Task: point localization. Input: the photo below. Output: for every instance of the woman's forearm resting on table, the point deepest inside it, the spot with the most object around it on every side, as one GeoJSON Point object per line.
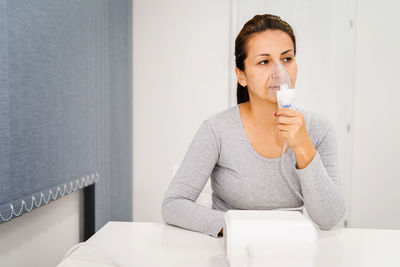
{"type": "Point", "coordinates": [190, 215]}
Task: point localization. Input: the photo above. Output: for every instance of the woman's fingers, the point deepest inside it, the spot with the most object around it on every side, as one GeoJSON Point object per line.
{"type": "Point", "coordinates": [287, 131]}
{"type": "Point", "coordinates": [288, 112]}
{"type": "Point", "coordinates": [285, 128]}
{"type": "Point", "coordinates": [291, 126]}
{"type": "Point", "coordinates": [287, 120]}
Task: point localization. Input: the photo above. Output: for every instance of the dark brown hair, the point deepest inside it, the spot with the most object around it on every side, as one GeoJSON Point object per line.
{"type": "Point", "coordinates": [258, 23]}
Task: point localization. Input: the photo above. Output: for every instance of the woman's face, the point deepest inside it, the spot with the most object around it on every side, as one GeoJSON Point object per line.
{"type": "Point", "coordinates": [265, 49]}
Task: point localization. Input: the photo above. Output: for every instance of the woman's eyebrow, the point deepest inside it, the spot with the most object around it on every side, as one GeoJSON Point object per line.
{"type": "Point", "coordinates": [263, 55]}
{"type": "Point", "coordinates": [268, 55]}
{"type": "Point", "coordinates": [287, 51]}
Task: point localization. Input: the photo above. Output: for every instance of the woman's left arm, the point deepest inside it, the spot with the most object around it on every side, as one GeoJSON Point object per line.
{"type": "Point", "coordinates": [316, 167]}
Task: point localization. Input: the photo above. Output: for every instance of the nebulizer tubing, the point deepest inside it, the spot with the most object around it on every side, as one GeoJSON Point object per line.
{"type": "Point", "coordinates": [279, 87]}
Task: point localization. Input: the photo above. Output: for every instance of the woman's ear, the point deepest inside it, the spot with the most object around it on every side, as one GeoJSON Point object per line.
{"type": "Point", "coordinates": [241, 77]}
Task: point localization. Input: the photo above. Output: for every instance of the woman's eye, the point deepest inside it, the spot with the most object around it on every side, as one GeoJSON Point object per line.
{"type": "Point", "coordinates": [264, 62]}
{"type": "Point", "coordinates": [287, 59]}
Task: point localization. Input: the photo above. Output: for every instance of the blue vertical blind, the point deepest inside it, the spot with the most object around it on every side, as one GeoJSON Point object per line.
{"type": "Point", "coordinates": [65, 104]}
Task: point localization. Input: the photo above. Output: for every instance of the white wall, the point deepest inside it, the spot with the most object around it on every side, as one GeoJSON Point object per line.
{"type": "Point", "coordinates": [376, 144]}
{"type": "Point", "coordinates": [180, 77]}
{"type": "Point", "coordinates": [42, 237]}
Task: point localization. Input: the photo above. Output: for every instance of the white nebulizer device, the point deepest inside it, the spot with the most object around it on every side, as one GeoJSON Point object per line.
{"type": "Point", "coordinates": [261, 238]}
{"type": "Point", "coordinates": [279, 86]}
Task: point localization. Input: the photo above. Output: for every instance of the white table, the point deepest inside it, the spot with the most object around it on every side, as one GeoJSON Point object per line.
{"type": "Point", "coordinates": [155, 244]}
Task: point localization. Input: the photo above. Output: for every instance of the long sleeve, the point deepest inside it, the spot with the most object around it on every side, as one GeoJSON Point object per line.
{"type": "Point", "coordinates": [179, 206]}
{"type": "Point", "coordinates": [320, 183]}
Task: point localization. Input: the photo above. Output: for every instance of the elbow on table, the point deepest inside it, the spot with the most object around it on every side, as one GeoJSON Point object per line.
{"type": "Point", "coordinates": [332, 219]}
{"type": "Point", "coordinates": [168, 210]}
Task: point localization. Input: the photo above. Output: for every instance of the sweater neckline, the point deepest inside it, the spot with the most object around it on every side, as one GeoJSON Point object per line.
{"type": "Point", "coordinates": [248, 143]}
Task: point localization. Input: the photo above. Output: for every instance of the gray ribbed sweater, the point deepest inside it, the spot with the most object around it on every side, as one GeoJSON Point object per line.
{"type": "Point", "coordinates": [243, 179]}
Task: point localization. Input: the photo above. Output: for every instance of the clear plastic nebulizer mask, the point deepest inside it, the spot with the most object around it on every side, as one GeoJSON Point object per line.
{"type": "Point", "coordinates": [279, 86]}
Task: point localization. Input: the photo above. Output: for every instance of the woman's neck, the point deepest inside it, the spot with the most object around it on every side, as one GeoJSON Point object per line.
{"type": "Point", "coordinates": [261, 113]}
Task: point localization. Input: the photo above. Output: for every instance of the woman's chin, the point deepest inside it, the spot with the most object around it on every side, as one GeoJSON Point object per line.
{"type": "Point", "coordinates": [265, 97]}
{"type": "Point", "coordinates": [269, 100]}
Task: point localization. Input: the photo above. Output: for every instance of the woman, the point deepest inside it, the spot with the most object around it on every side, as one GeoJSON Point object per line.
{"type": "Point", "coordinates": [240, 148]}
